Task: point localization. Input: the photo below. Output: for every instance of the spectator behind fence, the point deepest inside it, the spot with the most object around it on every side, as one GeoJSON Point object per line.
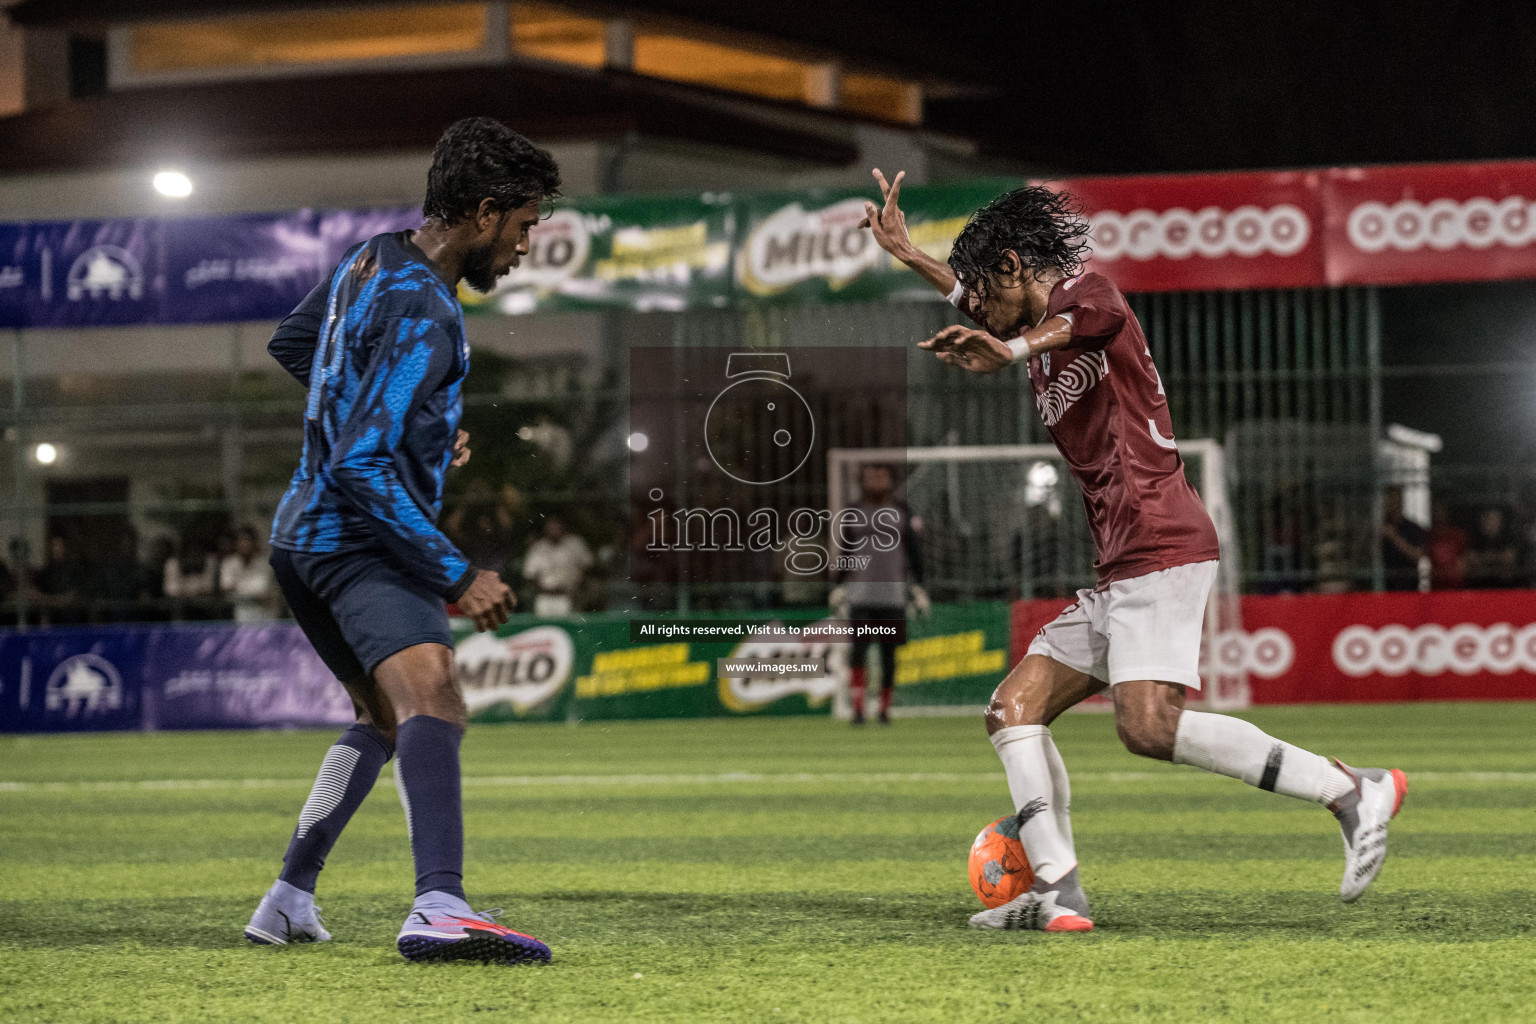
{"type": "Point", "coordinates": [246, 579]}
{"type": "Point", "coordinates": [1494, 558]}
{"type": "Point", "coordinates": [192, 574]}
{"type": "Point", "coordinates": [60, 582]}
{"type": "Point", "coordinates": [1446, 545]}
{"type": "Point", "coordinates": [555, 564]}
{"type": "Point", "coordinates": [481, 524]}
{"type": "Point", "coordinates": [119, 581]}
{"type": "Point", "coordinates": [1402, 543]}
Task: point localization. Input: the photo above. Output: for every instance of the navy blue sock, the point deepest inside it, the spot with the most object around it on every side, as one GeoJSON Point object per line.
{"type": "Point", "coordinates": [428, 775]}
{"type": "Point", "coordinates": [349, 770]}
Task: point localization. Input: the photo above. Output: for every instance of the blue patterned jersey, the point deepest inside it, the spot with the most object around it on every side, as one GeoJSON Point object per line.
{"type": "Point", "coordinates": [382, 349]}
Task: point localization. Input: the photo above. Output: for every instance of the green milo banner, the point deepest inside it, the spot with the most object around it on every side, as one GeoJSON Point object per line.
{"type": "Point", "coordinates": [643, 254]}
{"type": "Point", "coordinates": [809, 246]}
{"type": "Point", "coordinates": [719, 249]}
{"type": "Point", "coordinates": [587, 668]}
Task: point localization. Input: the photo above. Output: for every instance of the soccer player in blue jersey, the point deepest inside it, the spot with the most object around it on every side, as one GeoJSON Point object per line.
{"type": "Point", "coordinates": [380, 345]}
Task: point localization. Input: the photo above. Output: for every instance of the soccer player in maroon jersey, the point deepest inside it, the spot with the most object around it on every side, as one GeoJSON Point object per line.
{"type": "Point", "coordinates": [1016, 271]}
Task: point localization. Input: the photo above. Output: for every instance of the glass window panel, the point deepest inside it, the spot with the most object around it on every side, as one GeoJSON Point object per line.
{"type": "Point", "coordinates": [306, 37]}
{"type": "Point", "coordinates": [878, 96]}
{"type": "Point", "coordinates": [721, 67]}
{"type": "Point", "coordinates": [550, 32]}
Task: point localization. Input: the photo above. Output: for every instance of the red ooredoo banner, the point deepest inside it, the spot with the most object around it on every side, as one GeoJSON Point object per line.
{"type": "Point", "coordinates": [1199, 231]}
{"type": "Point", "coordinates": [1373, 225]}
{"type": "Point", "coordinates": [1457, 222]}
{"type": "Point", "coordinates": [1344, 648]}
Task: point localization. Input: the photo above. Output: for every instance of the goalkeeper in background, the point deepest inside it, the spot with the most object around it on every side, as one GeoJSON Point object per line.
{"type": "Point", "coordinates": [879, 589]}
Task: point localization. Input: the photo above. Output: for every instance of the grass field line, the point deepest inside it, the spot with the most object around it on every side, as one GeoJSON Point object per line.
{"type": "Point", "coordinates": [670, 779]}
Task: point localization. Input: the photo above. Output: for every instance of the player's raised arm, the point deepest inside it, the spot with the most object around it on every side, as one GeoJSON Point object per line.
{"type": "Point", "coordinates": [889, 226]}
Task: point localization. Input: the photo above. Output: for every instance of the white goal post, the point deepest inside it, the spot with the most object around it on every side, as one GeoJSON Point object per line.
{"type": "Point", "coordinates": [1000, 522]}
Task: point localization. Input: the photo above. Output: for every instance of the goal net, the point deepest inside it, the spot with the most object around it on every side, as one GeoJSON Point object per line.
{"type": "Point", "coordinates": [1005, 523]}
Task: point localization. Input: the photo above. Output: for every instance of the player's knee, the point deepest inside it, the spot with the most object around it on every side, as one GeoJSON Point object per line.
{"type": "Point", "coordinates": [1011, 705]}
{"type": "Point", "coordinates": [446, 702]}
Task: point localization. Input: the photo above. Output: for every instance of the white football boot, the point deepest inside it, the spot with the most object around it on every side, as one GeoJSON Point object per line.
{"type": "Point", "coordinates": [1058, 907]}
{"type": "Point", "coordinates": [1363, 814]}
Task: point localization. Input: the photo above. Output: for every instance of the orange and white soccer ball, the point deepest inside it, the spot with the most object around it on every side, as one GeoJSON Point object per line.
{"type": "Point", "coordinates": [999, 867]}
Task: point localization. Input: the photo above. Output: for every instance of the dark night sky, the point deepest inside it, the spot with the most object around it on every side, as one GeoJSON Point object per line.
{"type": "Point", "coordinates": [1178, 87]}
{"type": "Point", "coordinates": [1120, 87]}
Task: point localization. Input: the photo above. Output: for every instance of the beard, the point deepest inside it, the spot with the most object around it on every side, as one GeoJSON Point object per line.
{"type": "Point", "coordinates": [478, 269]}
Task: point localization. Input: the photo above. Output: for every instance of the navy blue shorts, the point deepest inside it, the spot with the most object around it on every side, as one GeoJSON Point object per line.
{"type": "Point", "coordinates": [357, 608]}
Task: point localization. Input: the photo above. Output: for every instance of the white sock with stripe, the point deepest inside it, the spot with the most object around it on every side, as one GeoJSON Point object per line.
{"type": "Point", "coordinates": [1027, 752]}
{"type": "Point", "coordinates": [1241, 750]}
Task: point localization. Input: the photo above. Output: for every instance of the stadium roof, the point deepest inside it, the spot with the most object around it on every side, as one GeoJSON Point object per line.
{"type": "Point", "coordinates": [851, 29]}
{"type": "Point", "coordinates": [280, 116]}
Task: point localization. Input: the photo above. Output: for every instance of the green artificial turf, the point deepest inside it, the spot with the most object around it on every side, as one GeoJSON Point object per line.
{"type": "Point", "coordinates": [776, 869]}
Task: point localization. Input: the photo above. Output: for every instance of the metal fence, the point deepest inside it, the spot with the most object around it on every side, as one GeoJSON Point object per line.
{"type": "Point", "coordinates": [155, 458]}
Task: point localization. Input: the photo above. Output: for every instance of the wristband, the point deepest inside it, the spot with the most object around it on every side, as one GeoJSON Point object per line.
{"type": "Point", "coordinates": [1020, 349]}
{"type": "Point", "coordinates": [956, 294]}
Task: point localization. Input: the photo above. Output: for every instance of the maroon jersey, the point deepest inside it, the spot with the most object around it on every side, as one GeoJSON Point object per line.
{"type": "Point", "coordinates": [1102, 402]}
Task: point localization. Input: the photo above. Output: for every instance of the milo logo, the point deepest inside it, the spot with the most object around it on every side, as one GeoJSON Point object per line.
{"type": "Point", "coordinates": [525, 670]}
{"type": "Point", "coordinates": [557, 251]}
{"type": "Point", "coordinates": [753, 692]}
{"type": "Point", "coordinates": [795, 244]}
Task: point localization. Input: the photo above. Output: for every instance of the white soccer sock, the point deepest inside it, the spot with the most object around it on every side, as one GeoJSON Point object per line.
{"type": "Point", "coordinates": [1023, 749]}
{"type": "Point", "coordinates": [1061, 789]}
{"type": "Point", "coordinates": [1241, 750]}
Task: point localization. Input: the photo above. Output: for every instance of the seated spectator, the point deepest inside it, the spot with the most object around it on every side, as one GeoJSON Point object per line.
{"type": "Point", "coordinates": [555, 564]}
{"type": "Point", "coordinates": [1446, 545]}
{"type": "Point", "coordinates": [246, 579]}
{"type": "Point", "coordinates": [1402, 543]}
{"type": "Point", "coordinates": [1494, 558]}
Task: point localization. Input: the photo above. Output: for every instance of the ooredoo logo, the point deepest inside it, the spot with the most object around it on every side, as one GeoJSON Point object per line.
{"type": "Point", "coordinates": [1266, 652]}
{"type": "Point", "coordinates": [1432, 650]}
{"type": "Point", "coordinates": [1442, 224]}
{"type": "Point", "coordinates": [1212, 232]}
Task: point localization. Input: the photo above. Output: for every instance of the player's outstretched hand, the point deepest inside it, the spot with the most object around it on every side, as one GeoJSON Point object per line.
{"type": "Point", "coordinates": [968, 349]}
{"type": "Point", "coordinates": [460, 449]}
{"type": "Point", "coordinates": [887, 222]}
{"type": "Point", "coordinates": [488, 601]}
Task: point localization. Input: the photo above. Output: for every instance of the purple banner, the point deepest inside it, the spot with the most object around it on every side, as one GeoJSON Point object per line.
{"type": "Point", "coordinates": [197, 270]}
{"type": "Point", "coordinates": [165, 677]}
{"type": "Point", "coordinates": [237, 677]}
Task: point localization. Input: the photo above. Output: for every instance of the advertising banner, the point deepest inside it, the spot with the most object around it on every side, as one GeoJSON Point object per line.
{"type": "Point", "coordinates": [80, 273]}
{"type": "Point", "coordinates": [808, 247]}
{"type": "Point", "coordinates": [260, 266]}
{"type": "Point", "coordinates": [238, 677]}
{"type": "Point", "coordinates": [1205, 231]}
{"type": "Point", "coordinates": [165, 677]}
{"type": "Point", "coordinates": [957, 655]}
{"type": "Point", "coordinates": [591, 669]}
{"type": "Point", "coordinates": [642, 254]}
{"type": "Point", "coordinates": [1450, 222]}
{"type": "Point", "coordinates": [194, 270]}
{"type": "Point", "coordinates": [588, 669]}
{"type": "Point", "coordinates": [1187, 232]}
{"type": "Point", "coordinates": [1367, 647]}
{"type": "Point", "coordinates": [71, 680]}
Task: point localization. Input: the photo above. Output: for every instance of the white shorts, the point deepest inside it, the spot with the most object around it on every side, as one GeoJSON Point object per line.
{"type": "Point", "coordinates": [1147, 627]}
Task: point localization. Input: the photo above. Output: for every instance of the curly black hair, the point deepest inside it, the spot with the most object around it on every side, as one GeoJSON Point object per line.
{"type": "Point", "coordinates": [1045, 228]}
{"type": "Point", "coordinates": [481, 158]}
